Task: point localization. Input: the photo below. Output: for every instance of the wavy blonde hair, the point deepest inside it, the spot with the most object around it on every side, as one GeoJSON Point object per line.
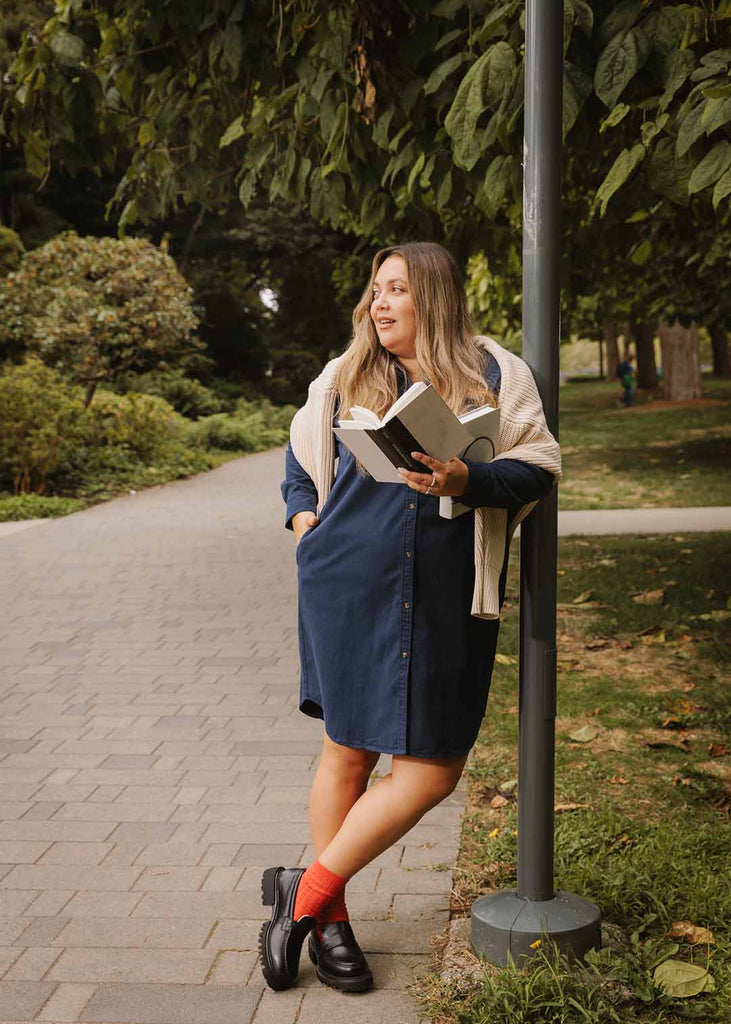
{"type": "Point", "coordinates": [445, 347]}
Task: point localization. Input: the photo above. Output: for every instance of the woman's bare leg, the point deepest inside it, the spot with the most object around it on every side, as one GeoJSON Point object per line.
{"type": "Point", "coordinates": [386, 811]}
{"type": "Point", "coordinates": [341, 779]}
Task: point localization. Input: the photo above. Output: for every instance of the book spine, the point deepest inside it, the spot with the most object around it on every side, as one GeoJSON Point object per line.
{"type": "Point", "coordinates": [397, 443]}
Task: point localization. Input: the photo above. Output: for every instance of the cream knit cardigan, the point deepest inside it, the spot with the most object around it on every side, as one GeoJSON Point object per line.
{"type": "Point", "coordinates": [523, 435]}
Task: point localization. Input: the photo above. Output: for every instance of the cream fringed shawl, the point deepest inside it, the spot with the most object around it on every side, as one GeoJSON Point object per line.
{"type": "Point", "coordinates": [523, 435]}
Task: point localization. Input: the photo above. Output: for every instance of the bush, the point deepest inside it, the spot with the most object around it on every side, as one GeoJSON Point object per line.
{"type": "Point", "coordinates": [97, 307]}
{"type": "Point", "coordinates": [143, 424]}
{"type": "Point", "coordinates": [41, 417]}
{"type": "Point", "coordinates": [186, 395]}
{"type": "Point", "coordinates": [11, 250]}
{"type": "Point", "coordinates": [37, 506]}
{"type": "Point", "coordinates": [254, 427]}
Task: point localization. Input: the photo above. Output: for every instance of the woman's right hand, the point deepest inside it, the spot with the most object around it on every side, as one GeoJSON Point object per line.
{"type": "Point", "coordinates": [303, 522]}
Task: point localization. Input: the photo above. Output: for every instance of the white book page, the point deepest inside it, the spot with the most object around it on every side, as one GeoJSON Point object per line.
{"type": "Point", "coordinates": [408, 396]}
{"type": "Point", "coordinates": [365, 449]}
{"type": "Point", "coordinates": [362, 415]}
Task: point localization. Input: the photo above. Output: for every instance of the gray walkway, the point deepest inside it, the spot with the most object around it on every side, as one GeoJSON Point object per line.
{"type": "Point", "coordinates": [644, 520]}
{"type": "Point", "coordinates": [153, 761]}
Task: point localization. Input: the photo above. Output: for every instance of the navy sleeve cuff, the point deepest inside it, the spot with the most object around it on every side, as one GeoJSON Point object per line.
{"type": "Point", "coordinates": [505, 483]}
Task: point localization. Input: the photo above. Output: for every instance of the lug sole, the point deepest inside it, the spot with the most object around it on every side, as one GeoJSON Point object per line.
{"type": "Point", "coordinates": [268, 899]}
{"type": "Point", "coordinates": [361, 984]}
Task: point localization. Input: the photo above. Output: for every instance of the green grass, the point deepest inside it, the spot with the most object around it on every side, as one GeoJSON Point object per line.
{"type": "Point", "coordinates": [650, 839]}
{"type": "Point", "coordinates": [653, 455]}
{"type": "Point", "coordinates": [36, 506]}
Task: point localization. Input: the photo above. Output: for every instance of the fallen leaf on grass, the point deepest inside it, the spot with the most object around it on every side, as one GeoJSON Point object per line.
{"type": "Point", "coordinates": [617, 780]}
{"type": "Point", "coordinates": [585, 734]}
{"type": "Point", "coordinates": [717, 750]}
{"type": "Point", "coordinates": [505, 659]}
{"type": "Point", "coordinates": [508, 787]}
{"type": "Point", "coordinates": [680, 980]}
{"type": "Point", "coordinates": [655, 638]}
{"type": "Point", "coordinates": [598, 644]}
{"type": "Point", "coordinates": [587, 595]}
{"type": "Point", "coordinates": [607, 561]}
{"type": "Point", "coordinates": [686, 931]}
{"type": "Point", "coordinates": [682, 743]}
{"type": "Point", "coordinates": [717, 615]}
{"type": "Point", "coordinates": [686, 551]}
{"type": "Point", "coordinates": [649, 597]}
{"type": "Point", "coordinates": [561, 808]}
{"type": "Point", "coordinates": [499, 801]}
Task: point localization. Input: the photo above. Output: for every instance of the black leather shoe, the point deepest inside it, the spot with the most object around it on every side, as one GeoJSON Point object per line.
{"type": "Point", "coordinates": [339, 959]}
{"type": "Point", "coordinates": [281, 938]}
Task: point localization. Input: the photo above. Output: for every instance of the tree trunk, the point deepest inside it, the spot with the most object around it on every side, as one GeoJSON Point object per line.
{"type": "Point", "coordinates": [90, 389]}
{"type": "Point", "coordinates": [719, 344]}
{"type": "Point", "coordinates": [601, 358]}
{"type": "Point", "coordinates": [626, 340]}
{"type": "Point", "coordinates": [609, 330]}
{"type": "Point", "coordinates": [644, 336]}
{"type": "Point", "coordinates": [680, 362]}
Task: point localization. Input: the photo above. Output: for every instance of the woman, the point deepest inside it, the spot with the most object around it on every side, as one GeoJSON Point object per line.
{"type": "Point", "coordinates": [398, 607]}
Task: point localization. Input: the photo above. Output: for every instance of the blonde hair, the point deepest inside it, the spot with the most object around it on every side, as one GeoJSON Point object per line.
{"type": "Point", "coordinates": [445, 347]}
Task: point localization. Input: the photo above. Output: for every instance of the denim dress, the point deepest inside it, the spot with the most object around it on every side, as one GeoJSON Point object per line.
{"type": "Point", "coordinates": [390, 655]}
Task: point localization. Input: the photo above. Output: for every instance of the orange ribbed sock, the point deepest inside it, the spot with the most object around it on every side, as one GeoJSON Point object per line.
{"type": "Point", "coordinates": [317, 887]}
{"type": "Point", "coordinates": [335, 911]}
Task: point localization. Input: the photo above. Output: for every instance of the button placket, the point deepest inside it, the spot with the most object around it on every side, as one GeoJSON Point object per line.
{"type": "Point", "coordinates": [407, 591]}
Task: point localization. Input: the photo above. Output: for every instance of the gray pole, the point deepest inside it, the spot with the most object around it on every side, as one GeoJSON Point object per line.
{"type": "Point", "coordinates": [510, 922]}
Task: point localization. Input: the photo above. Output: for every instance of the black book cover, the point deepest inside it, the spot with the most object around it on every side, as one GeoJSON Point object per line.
{"type": "Point", "coordinates": [397, 443]}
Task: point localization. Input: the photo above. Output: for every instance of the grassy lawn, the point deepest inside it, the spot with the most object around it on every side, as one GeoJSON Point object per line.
{"type": "Point", "coordinates": [652, 455]}
{"type": "Point", "coordinates": [646, 834]}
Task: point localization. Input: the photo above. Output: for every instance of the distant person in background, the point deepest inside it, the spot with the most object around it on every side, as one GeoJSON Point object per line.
{"type": "Point", "coordinates": [626, 374]}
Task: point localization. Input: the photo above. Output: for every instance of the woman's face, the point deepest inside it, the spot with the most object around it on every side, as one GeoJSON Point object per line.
{"type": "Point", "coordinates": [392, 310]}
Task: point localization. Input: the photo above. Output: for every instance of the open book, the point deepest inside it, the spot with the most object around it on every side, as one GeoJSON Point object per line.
{"type": "Point", "coordinates": [420, 420]}
{"type": "Point", "coordinates": [483, 424]}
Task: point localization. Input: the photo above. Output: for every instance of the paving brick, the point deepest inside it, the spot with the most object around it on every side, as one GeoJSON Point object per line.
{"type": "Point", "coordinates": [41, 931]}
{"type": "Point", "coordinates": [76, 853]}
{"type": "Point", "coordinates": [419, 907]}
{"type": "Point", "coordinates": [241, 935]}
{"type": "Point", "coordinates": [211, 905]}
{"type": "Point", "coordinates": [142, 832]}
{"type": "Point", "coordinates": [374, 1007]}
{"type": "Point", "coordinates": [173, 853]}
{"type": "Point", "coordinates": [132, 966]}
{"type": "Point", "coordinates": [172, 879]}
{"type": "Point", "coordinates": [49, 904]}
{"type": "Point", "coordinates": [21, 852]}
{"type": "Point", "coordinates": [279, 1007]}
{"type": "Point", "coordinates": [138, 933]}
{"type": "Point", "coordinates": [172, 1004]}
{"type": "Point", "coordinates": [56, 876]}
{"type": "Point", "coordinates": [13, 904]}
{"type": "Point", "coordinates": [54, 831]}
{"type": "Point", "coordinates": [420, 880]}
{"type": "Point", "coordinates": [102, 904]}
{"type": "Point", "coordinates": [233, 967]}
{"type": "Point", "coordinates": [8, 956]}
{"type": "Point", "coordinates": [67, 1002]}
{"type": "Point", "coordinates": [33, 964]}
{"type": "Point", "coordinates": [10, 929]}
{"type": "Point", "coordinates": [21, 1000]}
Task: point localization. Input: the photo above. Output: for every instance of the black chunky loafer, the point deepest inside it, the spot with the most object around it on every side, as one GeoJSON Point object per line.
{"type": "Point", "coordinates": [281, 938]}
{"type": "Point", "coordinates": [338, 958]}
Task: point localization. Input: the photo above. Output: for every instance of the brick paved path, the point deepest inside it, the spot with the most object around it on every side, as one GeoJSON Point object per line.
{"type": "Point", "coordinates": [153, 761]}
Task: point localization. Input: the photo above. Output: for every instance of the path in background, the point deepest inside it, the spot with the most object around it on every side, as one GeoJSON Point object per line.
{"type": "Point", "coordinates": [644, 520]}
{"type": "Point", "coordinates": [153, 761]}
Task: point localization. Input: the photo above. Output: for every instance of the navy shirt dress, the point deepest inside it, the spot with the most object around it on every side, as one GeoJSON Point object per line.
{"type": "Point", "coordinates": [390, 655]}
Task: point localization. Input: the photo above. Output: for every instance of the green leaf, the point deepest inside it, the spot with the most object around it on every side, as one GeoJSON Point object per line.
{"type": "Point", "coordinates": [247, 189]}
{"type": "Point", "coordinates": [576, 88]}
{"type": "Point", "coordinates": [494, 22]}
{"type": "Point", "coordinates": [445, 191]}
{"type": "Point", "coordinates": [680, 980]}
{"type": "Point", "coordinates": [711, 168]}
{"type": "Point", "coordinates": [483, 86]}
{"type": "Point", "coordinates": [447, 8]}
{"type": "Point", "coordinates": [677, 67]}
{"type": "Point", "coordinates": [232, 48]}
{"type": "Point", "coordinates": [234, 131]}
{"type": "Point", "coordinates": [722, 189]}
{"type": "Point", "coordinates": [442, 72]}
{"type": "Point", "coordinates": [668, 173]}
{"type": "Point", "coordinates": [146, 134]}
{"type": "Point", "coordinates": [652, 128]}
{"type": "Point", "coordinates": [415, 172]}
{"type": "Point", "coordinates": [68, 49]}
{"type": "Point", "coordinates": [664, 29]}
{"type": "Point", "coordinates": [642, 252]}
{"type": "Point", "coordinates": [449, 38]}
{"type": "Point", "coordinates": [619, 62]}
{"type": "Point", "coordinates": [618, 114]}
{"type": "Point", "coordinates": [717, 113]}
{"type": "Point", "coordinates": [625, 164]}
{"type": "Point", "coordinates": [621, 19]}
{"type": "Point", "coordinates": [584, 16]}
{"type": "Point", "coordinates": [691, 128]}
{"type": "Point", "coordinates": [380, 131]}
{"type": "Point", "coordinates": [498, 178]}
{"type": "Point", "coordinates": [35, 151]}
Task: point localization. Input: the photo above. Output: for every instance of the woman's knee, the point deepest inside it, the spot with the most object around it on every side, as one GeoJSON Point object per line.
{"type": "Point", "coordinates": [427, 782]}
{"type": "Point", "coordinates": [348, 763]}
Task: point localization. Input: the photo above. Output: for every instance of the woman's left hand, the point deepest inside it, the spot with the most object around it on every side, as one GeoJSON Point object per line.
{"type": "Point", "coordinates": [448, 479]}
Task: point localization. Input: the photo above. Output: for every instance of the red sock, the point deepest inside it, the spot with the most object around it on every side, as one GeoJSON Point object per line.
{"type": "Point", "coordinates": [317, 887]}
{"type": "Point", "coordinates": [335, 911]}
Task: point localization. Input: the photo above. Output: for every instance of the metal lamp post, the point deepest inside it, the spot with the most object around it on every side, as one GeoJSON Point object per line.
{"type": "Point", "coordinates": [511, 922]}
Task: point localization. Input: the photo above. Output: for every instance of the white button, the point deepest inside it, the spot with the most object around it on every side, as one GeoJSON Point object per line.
{"type": "Point", "coordinates": [404, 654]}
{"type": "Point", "coordinates": [406, 604]}
{"type": "Point", "coordinates": [412, 505]}
{"type": "Point", "coordinates": [408, 554]}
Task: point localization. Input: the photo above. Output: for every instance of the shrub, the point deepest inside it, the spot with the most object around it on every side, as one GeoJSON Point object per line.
{"type": "Point", "coordinates": [144, 424]}
{"type": "Point", "coordinates": [97, 307]}
{"type": "Point", "coordinates": [11, 250]}
{"type": "Point", "coordinates": [41, 416]}
{"type": "Point", "coordinates": [37, 506]}
{"type": "Point", "coordinates": [186, 395]}
{"type": "Point", "coordinates": [254, 427]}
